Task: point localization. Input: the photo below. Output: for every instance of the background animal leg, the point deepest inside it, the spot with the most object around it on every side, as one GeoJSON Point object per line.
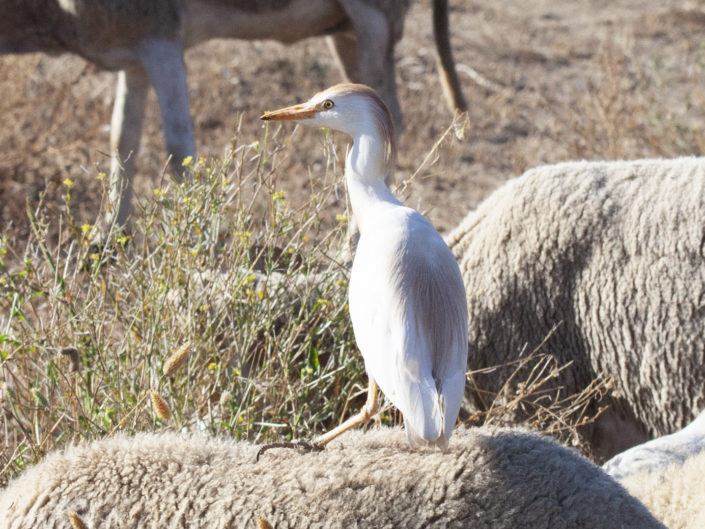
{"type": "Point", "coordinates": [368, 411]}
{"type": "Point", "coordinates": [164, 63]}
{"type": "Point", "coordinates": [344, 48]}
{"type": "Point", "coordinates": [446, 64]}
{"type": "Point", "coordinates": [375, 54]}
{"type": "Point", "coordinates": [125, 133]}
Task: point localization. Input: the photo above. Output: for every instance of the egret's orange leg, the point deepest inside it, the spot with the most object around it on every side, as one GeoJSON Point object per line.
{"type": "Point", "coordinates": [368, 411]}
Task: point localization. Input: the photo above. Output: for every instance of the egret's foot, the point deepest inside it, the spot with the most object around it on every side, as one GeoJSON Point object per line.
{"type": "Point", "coordinates": [304, 446]}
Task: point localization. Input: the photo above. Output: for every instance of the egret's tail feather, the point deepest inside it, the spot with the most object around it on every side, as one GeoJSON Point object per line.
{"type": "Point", "coordinates": [452, 390]}
{"type": "Point", "coordinates": [422, 412]}
{"type": "Point", "coordinates": [431, 417]}
{"type": "Point", "coordinates": [425, 419]}
{"type": "Point", "coordinates": [416, 440]}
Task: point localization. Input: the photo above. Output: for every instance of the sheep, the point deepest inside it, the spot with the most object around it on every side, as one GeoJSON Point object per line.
{"type": "Point", "coordinates": [145, 42]}
{"type": "Point", "coordinates": [490, 477]}
{"type": "Point", "coordinates": [612, 254]}
{"type": "Point", "coordinates": [673, 493]}
{"type": "Point", "coordinates": [659, 453]}
{"type": "Point", "coordinates": [666, 474]}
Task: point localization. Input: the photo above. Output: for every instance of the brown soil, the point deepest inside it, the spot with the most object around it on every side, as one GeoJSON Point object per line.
{"type": "Point", "coordinates": [573, 79]}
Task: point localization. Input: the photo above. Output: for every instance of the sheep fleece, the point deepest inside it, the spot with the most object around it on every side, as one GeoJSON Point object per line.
{"type": "Point", "coordinates": [612, 254]}
{"type": "Point", "coordinates": [674, 494]}
{"type": "Point", "coordinates": [494, 478]}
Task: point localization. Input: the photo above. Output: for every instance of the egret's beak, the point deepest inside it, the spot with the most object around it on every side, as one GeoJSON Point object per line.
{"type": "Point", "coordinates": [303, 111]}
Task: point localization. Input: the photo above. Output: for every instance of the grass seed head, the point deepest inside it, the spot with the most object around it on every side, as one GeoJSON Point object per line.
{"type": "Point", "coordinates": [176, 360]}
{"type": "Point", "coordinates": [160, 406]}
{"type": "Point", "coordinates": [225, 398]}
{"type": "Point", "coordinates": [76, 521]}
{"type": "Point", "coordinates": [262, 523]}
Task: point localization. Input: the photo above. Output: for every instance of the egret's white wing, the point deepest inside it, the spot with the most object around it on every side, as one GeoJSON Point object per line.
{"type": "Point", "coordinates": [408, 308]}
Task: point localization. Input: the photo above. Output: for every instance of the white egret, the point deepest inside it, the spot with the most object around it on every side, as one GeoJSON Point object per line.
{"type": "Point", "coordinates": [407, 298]}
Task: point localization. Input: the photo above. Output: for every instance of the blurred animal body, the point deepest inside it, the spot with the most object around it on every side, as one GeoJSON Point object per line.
{"type": "Point", "coordinates": [145, 42]}
{"type": "Point", "coordinates": [611, 255]}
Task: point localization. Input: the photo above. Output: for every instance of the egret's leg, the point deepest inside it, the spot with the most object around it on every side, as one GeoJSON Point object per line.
{"type": "Point", "coordinates": [368, 411]}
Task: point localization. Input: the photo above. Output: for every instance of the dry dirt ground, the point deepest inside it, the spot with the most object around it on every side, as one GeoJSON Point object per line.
{"type": "Point", "coordinates": [597, 79]}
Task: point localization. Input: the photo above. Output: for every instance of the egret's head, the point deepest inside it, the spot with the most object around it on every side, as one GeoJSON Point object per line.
{"type": "Point", "coordinates": [351, 108]}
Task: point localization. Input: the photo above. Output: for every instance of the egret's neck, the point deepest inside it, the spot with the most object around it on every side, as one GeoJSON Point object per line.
{"type": "Point", "coordinates": [365, 171]}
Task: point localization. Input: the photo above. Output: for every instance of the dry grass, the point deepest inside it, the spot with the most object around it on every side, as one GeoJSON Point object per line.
{"type": "Point", "coordinates": [533, 396]}
{"type": "Point", "coordinates": [242, 289]}
{"type": "Point", "coordinates": [224, 310]}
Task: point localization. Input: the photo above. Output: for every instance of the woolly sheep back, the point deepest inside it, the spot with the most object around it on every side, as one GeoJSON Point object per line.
{"type": "Point", "coordinates": [674, 494]}
{"type": "Point", "coordinates": [659, 453]}
{"type": "Point", "coordinates": [496, 478]}
{"type": "Point", "coordinates": [612, 253]}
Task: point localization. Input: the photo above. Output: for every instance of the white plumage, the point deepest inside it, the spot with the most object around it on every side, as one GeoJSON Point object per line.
{"type": "Point", "coordinates": [407, 299]}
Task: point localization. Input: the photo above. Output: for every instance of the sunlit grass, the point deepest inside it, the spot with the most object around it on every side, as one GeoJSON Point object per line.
{"type": "Point", "coordinates": [223, 266]}
{"type": "Point", "coordinates": [256, 287]}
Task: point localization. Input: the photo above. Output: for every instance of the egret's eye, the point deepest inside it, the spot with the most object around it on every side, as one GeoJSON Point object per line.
{"type": "Point", "coordinates": [327, 104]}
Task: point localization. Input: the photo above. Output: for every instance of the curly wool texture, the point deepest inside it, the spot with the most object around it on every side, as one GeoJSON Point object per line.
{"type": "Point", "coordinates": [673, 494]}
{"type": "Point", "coordinates": [612, 254]}
{"type": "Point", "coordinates": [493, 478]}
